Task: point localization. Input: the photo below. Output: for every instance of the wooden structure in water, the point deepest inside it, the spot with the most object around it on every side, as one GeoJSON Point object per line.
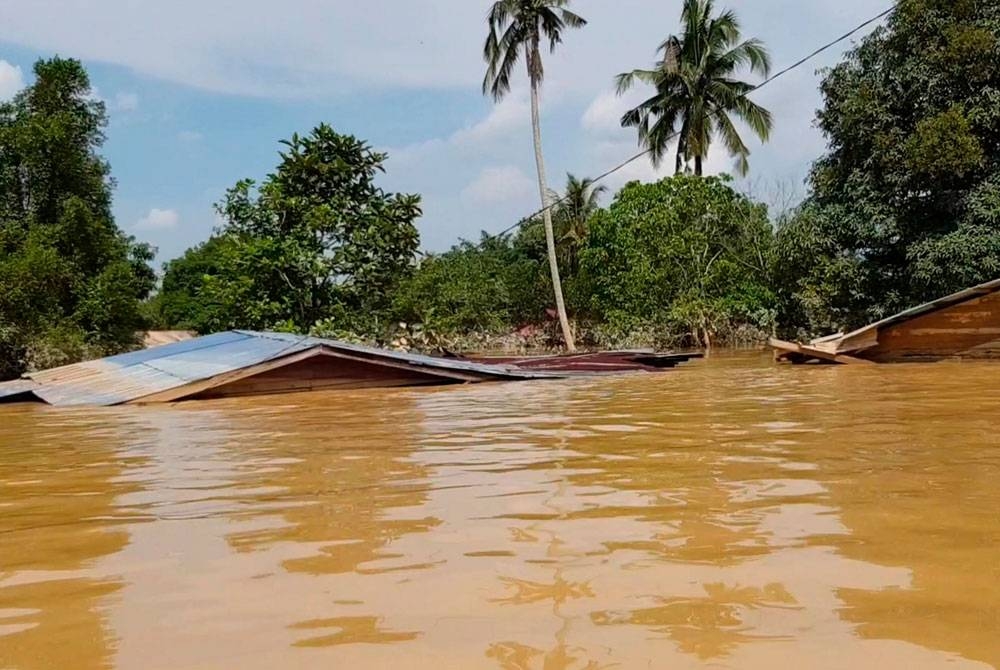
{"type": "Point", "coordinates": [245, 363]}
{"type": "Point", "coordinates": [964, 325]}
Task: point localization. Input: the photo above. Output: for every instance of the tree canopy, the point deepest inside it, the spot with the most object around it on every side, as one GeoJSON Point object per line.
{"type": "Point", "coordinates": [684, 254]}
{"type": "Point", "coordinates": [317, 241]}
{"type": "Point", "coordinates": [71, 283]}
{"type": "Point", "coordinates": [905, 204]}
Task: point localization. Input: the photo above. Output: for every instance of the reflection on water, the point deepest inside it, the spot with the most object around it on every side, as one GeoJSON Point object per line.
{"type": "Point", "coordinates": [729, 514]}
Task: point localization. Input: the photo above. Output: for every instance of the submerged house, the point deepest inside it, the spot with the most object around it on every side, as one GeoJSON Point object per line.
{"type": "Point", "coordinates": [962, 325]}
{"type": "Point", "coordinates": [243, 363]}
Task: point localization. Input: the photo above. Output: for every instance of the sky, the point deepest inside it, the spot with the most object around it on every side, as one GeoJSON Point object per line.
{"type": "Point", "coordinates": [200, 92]}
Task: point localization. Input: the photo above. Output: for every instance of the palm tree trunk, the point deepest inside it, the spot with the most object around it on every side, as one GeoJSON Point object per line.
{"type": "Point", "coordinates": [543, 189]}
{"type": "Point", "coordinates": [680, 163]}
{"type": "Point", "coordinates": [697, 166]}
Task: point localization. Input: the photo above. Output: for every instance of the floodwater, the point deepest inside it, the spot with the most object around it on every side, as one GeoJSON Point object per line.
{"type": "Point", "coordinates": [726, 514]}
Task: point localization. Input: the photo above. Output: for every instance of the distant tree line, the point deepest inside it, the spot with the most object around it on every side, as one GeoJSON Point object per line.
{"type": "Point", "coordinates": [903, 207]}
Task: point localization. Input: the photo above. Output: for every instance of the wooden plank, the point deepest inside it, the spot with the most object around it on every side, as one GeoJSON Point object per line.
{"type": "Point", "coordinates": [961, 330]}
{"type": "Point", "coordinates": [459, 375]}
{"type": "Point", "coordinates": [418, 374]}
{"type": "Point", "coordinates": [323, 372]}
{"type": "Point", "coordinates": [194, 388]}
{"type": "Point", "coordinates": [801, 353]}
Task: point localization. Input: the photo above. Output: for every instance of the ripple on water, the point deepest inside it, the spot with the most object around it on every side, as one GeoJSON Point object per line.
{"type": "Point", "coordinates": [727, 514]}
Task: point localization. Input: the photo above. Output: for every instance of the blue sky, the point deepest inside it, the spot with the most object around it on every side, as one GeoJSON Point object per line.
{"type": "Point", "coordinates": [200, 93]}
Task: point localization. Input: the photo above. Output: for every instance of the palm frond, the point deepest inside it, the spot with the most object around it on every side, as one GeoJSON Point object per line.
{"type": "Point", "coordinates": [572, 19]}
{"type": "Point", "coordinates": [734, 143]}
{"type": "Point", "coordinates": [725, 28]}
{"type": "Point", "coordinates": [756, 117]}
{"type": "Point", "coordinates": [633, 117]}
{"type": "Point", "coordinates": [697, 78]}
{"type": "Point", "coordinates": [672, 49]}
{"type": "Point", "coordinates": [550, 25]}
{"type": "Point", "coordinates": [504, 57]}
{"type": "Point", "coordinates": [626, 80]}
{"type": "Point", "coordinates": [521, 24]}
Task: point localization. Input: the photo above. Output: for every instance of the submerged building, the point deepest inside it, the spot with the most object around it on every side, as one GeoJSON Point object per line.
{"type": "Point", "coordinates": [243, 363]}
{"type": "Point", "coordinates": [964, 325]}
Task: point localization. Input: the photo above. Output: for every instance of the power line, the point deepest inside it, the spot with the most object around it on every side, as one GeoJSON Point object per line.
{"type": "Point", "coordinates": [645, 152]}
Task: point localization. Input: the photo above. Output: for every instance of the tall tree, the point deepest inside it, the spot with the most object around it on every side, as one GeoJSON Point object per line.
{"type": "Point", "coordinates": [696, 87]}
{"type": "Point", "coordinates": [905, 205]}
{"type": "Point", "coordinates": [71, 283]}
{"type": "Point", "coordinates": [517, 26]}
{"type": "Point", "coordinates": [318, 240]}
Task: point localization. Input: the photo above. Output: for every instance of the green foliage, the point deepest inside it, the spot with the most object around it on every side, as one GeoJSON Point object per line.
{"type": "Point", "coordinates": [317, 241]}
{"type": "Point", "coordinates": [181, 303]}
{"type": "Point", "coordinates": [490, 287]}
{"type": "Point", "coordinates": [71, 283]}
{"type": "Point", "coordinates": [696, 88]}
{"type": "Point", "coordinates": [905, 205]}
{"type": "Point", "coordinates": [683, 255]}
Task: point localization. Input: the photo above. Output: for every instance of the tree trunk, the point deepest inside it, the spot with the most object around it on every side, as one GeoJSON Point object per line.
{"type": "Point", "coordinates": [680, 163]}
{"type": "Point", "coordinates": [697, 166]}
{"type": "Point", "coordinates": [550, 238]}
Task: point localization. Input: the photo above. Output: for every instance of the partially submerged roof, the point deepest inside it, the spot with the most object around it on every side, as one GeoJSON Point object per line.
{"type": "Point", "coordinates": [188, 368]}
{"type": "Point", "coordinates": [963, 324]}
{"type": "Point", "coordinates": [19, 389]}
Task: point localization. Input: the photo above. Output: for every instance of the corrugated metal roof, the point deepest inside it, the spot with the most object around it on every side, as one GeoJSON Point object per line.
{"type": "Point", "coordinates": [157, 338]}
{"type": "Point", "coordinates": [16, 387]}
{"type": "Point", "coordinates": [128, 377]}
{"type": "Point", "coordinates": [401, 356]}
{"type": "Point", "coordinates": [119, 379]}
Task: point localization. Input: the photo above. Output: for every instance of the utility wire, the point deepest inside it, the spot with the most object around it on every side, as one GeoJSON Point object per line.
{"type": "Point", "coordinates": [623, 164]}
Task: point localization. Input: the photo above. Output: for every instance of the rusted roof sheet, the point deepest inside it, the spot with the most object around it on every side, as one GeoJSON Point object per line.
{"type": "Point", "coordinates": [417, 360]}
{"type": "Point", "coordinates": [157, 338]}
{"type": "Point", "coordinates": [601, 361]}
{"type": "Point", "coordinates": [129, 377]}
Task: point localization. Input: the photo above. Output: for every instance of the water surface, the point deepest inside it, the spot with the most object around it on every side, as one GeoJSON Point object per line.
{"type": "Point", "coordinates": [727, 514]}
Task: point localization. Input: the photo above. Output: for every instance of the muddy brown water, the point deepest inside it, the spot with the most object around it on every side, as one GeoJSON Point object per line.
{"type": "Point", "coordinates": [727, 514]}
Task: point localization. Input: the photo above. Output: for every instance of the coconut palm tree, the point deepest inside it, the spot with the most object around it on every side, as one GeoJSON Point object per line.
{"type": "Point", "coordinates": [518, 26]}
{"type": "Point", "coordinates": [578, 203]}
{"type": "Point", "coordinates": [696, 86]}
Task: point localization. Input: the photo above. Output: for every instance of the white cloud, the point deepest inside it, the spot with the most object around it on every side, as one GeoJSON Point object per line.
{"type": "Point", "coordinates": [509, 115]}
{"type": "Point", "coordinates": [190, 136]}
{"type": "Point", "coordinates": [604, 113]}
{"type": "Point", "coordinates": [498, 184]}
{"type": "Point", "coordinates": [11, 80]}
{"type": "Point", "coordinates": [376, 50]}
{"type": "Point", "coordinates": [158, 219]}
{"type": "Point", "coordinates": [126, 102]}
{"type": "Point", "coordinates": [255, 47]}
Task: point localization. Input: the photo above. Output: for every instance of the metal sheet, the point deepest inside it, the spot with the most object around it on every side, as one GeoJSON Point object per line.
{"type": "Point", "coordinates": [509, 371]}
{"type": "Point", "coordinates": [128, 377]}
{"type": "Point", "coordinates": [16, 387]}
{"type": "Point", "coordinates": [119, 379]}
